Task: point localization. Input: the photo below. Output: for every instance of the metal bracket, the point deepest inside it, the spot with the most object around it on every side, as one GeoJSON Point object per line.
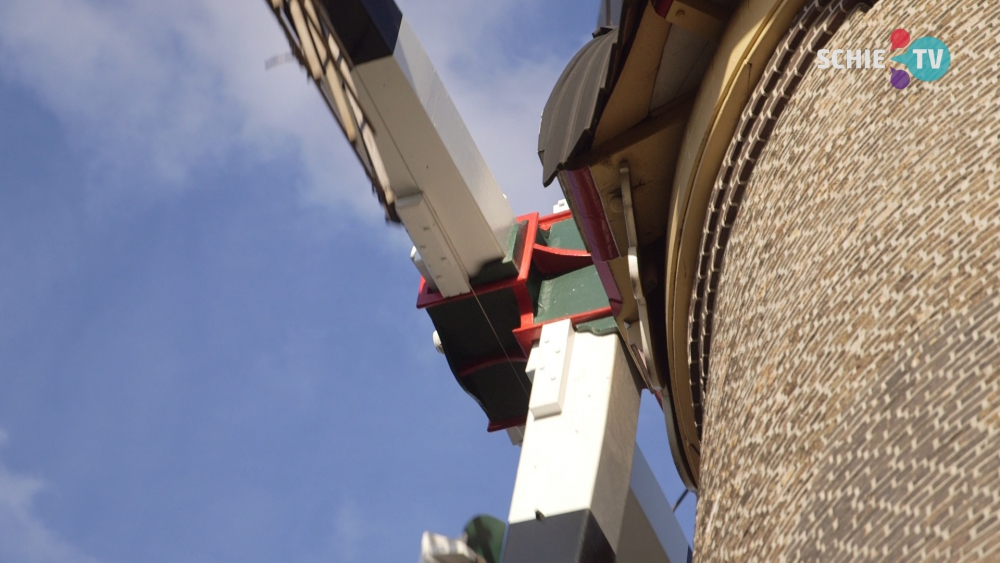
{"type": "Point", "coordinates": [638, 333]}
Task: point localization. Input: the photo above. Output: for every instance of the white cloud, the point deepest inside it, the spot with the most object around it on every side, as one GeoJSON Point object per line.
{"type": "Point", "coordinates": [149, 91]}
{"type": "Point", "coordinates": [506, 129]}
{"type": "Point", "coordinates": [24, 538]}
{"type": "Point", "coordinates": [501, 97]}
{"type": "Point", "coordinates": [348, 532]}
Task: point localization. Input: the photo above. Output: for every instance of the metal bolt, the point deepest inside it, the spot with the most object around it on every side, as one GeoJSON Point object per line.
{"type": "Point", "coordinates": [615, 204]}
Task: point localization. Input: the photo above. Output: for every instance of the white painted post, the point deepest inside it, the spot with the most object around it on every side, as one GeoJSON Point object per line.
{"type": "Point", "coordinates": [584, 493]}
{"type": "Point", "coordinates": [429, 154]}
{"type": "Point", "coordinates": [573, 477]}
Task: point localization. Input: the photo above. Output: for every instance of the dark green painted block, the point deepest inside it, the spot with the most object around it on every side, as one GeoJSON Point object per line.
{"type": "Point", "coordinates": [501, 389]}
{"type": "Point", "coordinates": [599, 327]}
{"type": "Point", "coordinates": [563, 234]}
{"type": "Point", "coordinates": [574, 292]}
{"type": "Point", "coordinates": [484, 534]}
{"type": "Point", "coordinates": [507, 267]}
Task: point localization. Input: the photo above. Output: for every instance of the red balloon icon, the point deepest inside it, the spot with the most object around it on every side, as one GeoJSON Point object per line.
{"type": "Point", "coordinates": [900, 38]}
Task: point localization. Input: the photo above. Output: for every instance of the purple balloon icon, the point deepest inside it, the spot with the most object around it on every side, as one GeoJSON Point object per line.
{"type": "Point", "coordinates": [900, 79]}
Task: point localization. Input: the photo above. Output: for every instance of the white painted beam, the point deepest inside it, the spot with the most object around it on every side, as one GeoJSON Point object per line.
{"type": "Point", "coordinates": [573, 477]}
{"type": "Point", "coordinates": [650, 531]}
{"type": "Point", "coordinates": [584, 492]}
{"type": "Point", "coordinates": [427, 150]}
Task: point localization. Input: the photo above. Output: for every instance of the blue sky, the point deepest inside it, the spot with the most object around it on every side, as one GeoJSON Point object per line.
{"type": "Point", "coordinates": [209, 349]}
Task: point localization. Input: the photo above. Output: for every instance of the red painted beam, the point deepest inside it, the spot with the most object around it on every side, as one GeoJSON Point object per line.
{"type": "Point", "coordinates": [662, 7]}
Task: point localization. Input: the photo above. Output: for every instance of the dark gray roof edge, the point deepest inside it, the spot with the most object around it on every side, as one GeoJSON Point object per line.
{"type": "Point", "coordinates": [572, 109]}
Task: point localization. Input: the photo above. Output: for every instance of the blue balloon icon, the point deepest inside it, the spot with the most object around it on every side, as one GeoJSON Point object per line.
{"type": "Point", "coordinates": [928, 59]}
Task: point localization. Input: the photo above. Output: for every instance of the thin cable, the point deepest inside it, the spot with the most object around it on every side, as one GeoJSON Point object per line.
{"type": "Point", "coordinates": [680, 500]}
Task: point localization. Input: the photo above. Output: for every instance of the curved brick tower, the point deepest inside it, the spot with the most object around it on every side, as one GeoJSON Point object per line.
{"type": "Point", "coordinates": [853, 401]}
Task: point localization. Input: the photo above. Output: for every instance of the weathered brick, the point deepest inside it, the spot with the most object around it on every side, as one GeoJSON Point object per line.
{"type": "Point", "coordinates": [852, 393]}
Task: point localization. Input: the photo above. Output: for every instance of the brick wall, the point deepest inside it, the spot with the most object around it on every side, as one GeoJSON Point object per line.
{"type": "Point", "coordinates": [853, 398]}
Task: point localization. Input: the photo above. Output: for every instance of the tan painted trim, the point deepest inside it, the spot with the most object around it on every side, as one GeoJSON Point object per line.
{"type": "Point", "coordinates": [629, 101]}
{"type": "Point", "coordinates": [700, 16]}
{"type": "Point", "coordinates": [666, 116]}
{"type": "Point", "coordinates": [753, 33]}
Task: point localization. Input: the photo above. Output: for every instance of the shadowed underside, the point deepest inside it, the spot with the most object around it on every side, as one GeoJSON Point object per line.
{"type": "Point", "coordinates": [854, 396]}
